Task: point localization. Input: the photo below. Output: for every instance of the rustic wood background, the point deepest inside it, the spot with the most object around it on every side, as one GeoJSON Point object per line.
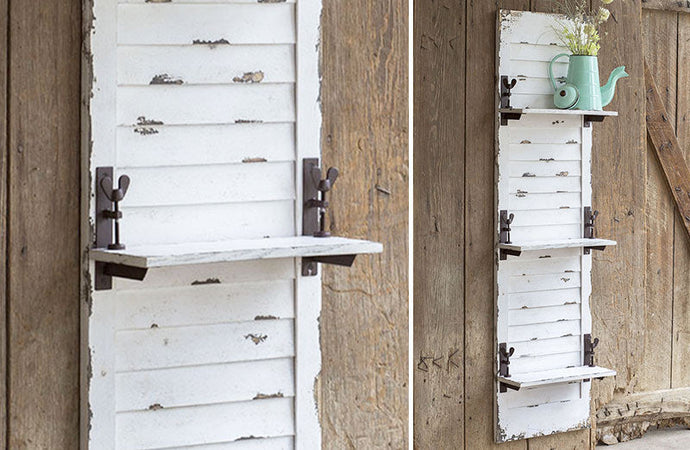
{"type": "Point", "coordinates": [641, 288]}
{"type": "Point", "coordinates": [364, 381]}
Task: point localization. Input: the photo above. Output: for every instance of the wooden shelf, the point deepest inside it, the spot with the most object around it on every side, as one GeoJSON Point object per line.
{"type": "Point", "coordinates": [555, 376]}
{"type": "Point", "coordinates": [556, 244]}
{"type": "Point", "coordinates": [589, 115]}
{"type": "Point", "coordinates": [150, 256]}
{"type": "Point", "coordinates": [567, 112]}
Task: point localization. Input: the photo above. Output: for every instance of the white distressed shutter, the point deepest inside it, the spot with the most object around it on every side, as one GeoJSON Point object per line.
{"type": "Point", "coordinates": [543, 294]}
{"type": "Point", "coordinates": [209, 107]}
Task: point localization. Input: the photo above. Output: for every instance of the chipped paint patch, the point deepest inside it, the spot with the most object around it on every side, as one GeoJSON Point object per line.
{"type": "Point", "coordinates": [247, 438]}
{"type": "Point", "coordinates": [562, 174]}
{"type": "Point", "coordinates": [528, 175]}
{"type": "Point", "coordinates": [271, 1]}
{"type": "Point", "coordinates": [254, 160]}
{"type": "Point", "coordinates": [155, 407]}
{"type": "Point", "coordinates": [248, 121]}
{"type": "Point", "coordinates": [250, 77]}
{"type": "Point", "coordinates": [256, 338]}
{"type": "Point", "coordinates": [261, 396]}
{"type": "Point", "coordinates": [266, 318]}
{"type": "Point", "coordinates": [164, 78]}
{"type": "Point", "coordinates": [145, 131]}
{"type": "Point", "coordinates": [206, 281]}
{"type": "Point", "coordinates": [144, 126]}
{"type": "Point", "coordinates": [211, 44]}
{"type": "Point", "coordinates": [142, 120]}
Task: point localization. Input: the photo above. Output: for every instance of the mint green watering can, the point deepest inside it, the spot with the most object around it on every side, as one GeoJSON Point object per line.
{"type": "Point", "coordinates": [581, 89]}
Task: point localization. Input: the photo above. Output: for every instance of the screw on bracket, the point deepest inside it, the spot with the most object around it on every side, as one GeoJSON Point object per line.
{"type": "Point", "coordinates": [506, 87]}
{"type": "Point", "coordinates": [590, 218]}
{"type": "Point", "coordinates": [504, 366]}
{"type": "Point", "coordinates": [589, 231]}
{"type": "Point", "coordinates": [322, 186]}
{"type": "Point", "coordinates": [589, 345]}
{"type": "Point", "coordinates": [506, 221]}
{"type": "Point", "coordinates": [115, 195]}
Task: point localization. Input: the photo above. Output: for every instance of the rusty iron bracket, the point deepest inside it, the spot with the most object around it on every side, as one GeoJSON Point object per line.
{"type": "Point", "coordinates": [504, 237]}
{"type": "Point", "coordinates": [588, 119]}
{"type": "Point", "coordinates": [310, 267]}
{"type": "Point", "coordinates": [590, 230]}
{"type": "Point", "coordinates": [589, 346]}
{"type": "Point", "coordinates": [108, 217]}
{"type": "Point", "coordinates": [314, 191]}
{"type": "Point", "coordinates": [506, 87]}
{"type": "Point", "coordinates": [504, 365]}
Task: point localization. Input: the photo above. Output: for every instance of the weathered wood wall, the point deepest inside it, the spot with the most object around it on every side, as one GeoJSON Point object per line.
{"type": "Point", "coordinates": [40, 222]}
{"type": "Point", "coordinates": [640, 295]}
{"type": "Point", "coordinates": [364, 320]}
{"type": "Point", "coordinates": [364, 381]}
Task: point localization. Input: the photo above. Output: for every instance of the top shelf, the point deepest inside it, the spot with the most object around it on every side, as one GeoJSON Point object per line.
{"type": "Point", "coordinates": [150, 256]}
{"type": "Point", "coordinates": [567, 112]}
{"type": "Point", "coordinates": [589, 115]}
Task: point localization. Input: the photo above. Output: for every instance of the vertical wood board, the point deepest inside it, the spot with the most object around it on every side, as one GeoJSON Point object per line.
{"type": "Point", "coordinates": [440, 71]}
{"type": "Point", "coordinates": [42, 191]}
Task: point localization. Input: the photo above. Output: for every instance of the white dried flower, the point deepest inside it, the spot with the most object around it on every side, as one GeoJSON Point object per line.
{"type": "Point", "coordinates": [604, 14]}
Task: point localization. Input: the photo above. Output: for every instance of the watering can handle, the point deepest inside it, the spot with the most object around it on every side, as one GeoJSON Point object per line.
{"type": "Point", "coordinates": [553, 80]}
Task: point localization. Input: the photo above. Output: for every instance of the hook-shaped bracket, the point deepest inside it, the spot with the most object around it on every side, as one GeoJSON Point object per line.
{"type": "Point", "coordinates": [108, 217]}
{"type": "Point", "coordinates": [315, 205]}
{"type": "Point", "coordinates": [589, 228]}
{"type": "Point", "coordinates": [589, 346]}
{"type": "Point", "coordinates": [115, 196]}
{"type": "Point", "coordinates": [504, 354]}
{"type": "Point", "coordinates": [315, 199]}
{"type": "Point", "coordinates": [506, 88]}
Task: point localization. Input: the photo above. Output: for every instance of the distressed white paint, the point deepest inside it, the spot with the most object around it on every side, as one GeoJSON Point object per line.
{"type": "Point", "coordinates": [235, 250]}
{"type": "Point", "coordinates": [556, 376]}
{"type": "Point", "coordinates": [209, 106]}
{"type": "Point", "coordinates": [543, 177]}
{"type": "Point", "coordinates": [558, 243]}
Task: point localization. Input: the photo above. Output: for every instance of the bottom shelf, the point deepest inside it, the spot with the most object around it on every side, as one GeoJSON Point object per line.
{"type": "Point", "coordinates": [555, 376]}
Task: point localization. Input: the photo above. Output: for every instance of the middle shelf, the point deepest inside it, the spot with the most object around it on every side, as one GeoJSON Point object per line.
{"type": "Point", "coordinates": [555, 244]}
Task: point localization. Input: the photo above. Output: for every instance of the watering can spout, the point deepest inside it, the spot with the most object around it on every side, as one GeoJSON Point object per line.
{"type": "Point", "coordinates": [609, 89]}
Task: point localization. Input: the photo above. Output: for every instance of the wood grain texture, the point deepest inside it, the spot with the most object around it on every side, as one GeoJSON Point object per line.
{"type": "Point", "coordinates": [680, 371]}
{"type": "Point", "coordinates": [619, 147]}
{"type": "Point", "coordinates": [43, 253]}
{"type": "Point", "coordinates": [4, 118]}
{"type": "Point", "coordinates": [646, 407]}
{"type": "Point", "coordinates": [659, 31]}
{"type": "Point", "coordinates": [667, 149]}
{"type": "Point", "coordinates": [364, 319]}
{"type": "Point", "coordinates": [479, 226]}
{"type": "Point", "coordinates": [439, 48]}
{"type": "Point", "coordinates": [666, 5]}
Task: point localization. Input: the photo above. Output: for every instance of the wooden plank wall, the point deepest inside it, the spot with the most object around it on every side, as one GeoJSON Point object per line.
{"type": "Point", "coordinates": [454, 54]}
{"type": "Point", "coordinates": [41, 188]}
{"type": "Point", "coordinates": [364, 318]}
{"type": "Point", "coordinates": [365, 135]}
